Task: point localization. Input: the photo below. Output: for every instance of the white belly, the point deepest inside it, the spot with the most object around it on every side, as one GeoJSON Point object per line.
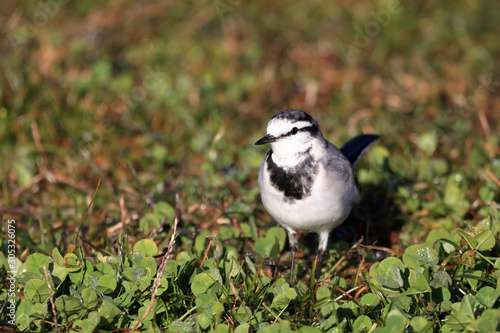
{"type": "Point", "coordinates": [327, 207]}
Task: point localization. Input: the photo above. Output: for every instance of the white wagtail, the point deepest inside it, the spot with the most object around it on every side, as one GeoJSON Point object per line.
{"type": "Point", "coordinates": [305, 182]}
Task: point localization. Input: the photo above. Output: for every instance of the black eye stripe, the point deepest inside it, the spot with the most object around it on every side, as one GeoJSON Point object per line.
{"type": "Point", "coordinates": [313, 129]}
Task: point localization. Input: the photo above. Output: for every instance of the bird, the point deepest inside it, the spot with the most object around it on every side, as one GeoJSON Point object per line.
{"type": "Point", "coordinates": [307, 183]}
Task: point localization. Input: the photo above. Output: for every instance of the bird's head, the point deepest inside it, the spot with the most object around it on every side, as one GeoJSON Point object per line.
{"type": "Point", "coordinates": [291, 132]}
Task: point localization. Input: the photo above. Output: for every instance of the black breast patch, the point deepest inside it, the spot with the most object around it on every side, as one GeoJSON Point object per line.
{"type": "Point", "coordinates": [295, 183]}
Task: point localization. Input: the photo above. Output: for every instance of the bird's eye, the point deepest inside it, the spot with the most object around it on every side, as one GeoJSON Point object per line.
{"type": "Point", "coordinates": [294, 130]}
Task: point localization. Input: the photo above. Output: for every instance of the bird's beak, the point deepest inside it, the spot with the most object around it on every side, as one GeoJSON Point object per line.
{"type": "Point", "coordinates": [267, 139]}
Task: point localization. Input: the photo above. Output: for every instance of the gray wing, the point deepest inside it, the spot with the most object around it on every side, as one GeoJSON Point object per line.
{"type": "Point", "coordinates": [336, 162]}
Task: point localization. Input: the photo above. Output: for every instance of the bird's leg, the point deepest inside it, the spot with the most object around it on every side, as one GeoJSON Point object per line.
{"type": "Point", "coordinates": [323, 243]}
{"type": "Point", "coordinates": [292, 239]}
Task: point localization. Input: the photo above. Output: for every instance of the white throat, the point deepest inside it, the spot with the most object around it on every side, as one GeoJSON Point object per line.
{"type": "Point", "coordinates": [288, 155]}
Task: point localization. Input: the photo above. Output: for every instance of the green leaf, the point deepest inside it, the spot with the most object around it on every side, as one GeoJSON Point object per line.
{"type": "Point", "coordinates": [466, 309]}
{"type": "Point", "coordinates": [82, 274]}
{"type": "Point", "coordinates": [291, 294]}
{"type": "Point", "coordinates": [468, 257]}
{"type": "Point", "coordinates": [485, 240]}
{"type": "Point", "coordinates": [226, 232]}
{"type": "Point", "coordinates": [149, 264]}
{"type": "Point", "coordinates": [376, 286]}
{"type": "Point", "coordinates": [483, 325]}
{"type": "Point", "coordinates": [59, 273]}
{"type": "Point", "coordinates": [420, 256]}
{"type": "Point", "coordinates": [435, 235]}
{"type": "Point", "coordinates": [370, 300]}
{"type": "Point", "coordinates": [202, 302]}
{"type": "Point", "coordinates": [243, 328]}
{"type": "Point", "coordinates": [441, 295]}
{"type": "Point", "coordinates": [89, 297]}
{"type": "Point", "coordinates": [67, 306]}
{"type": "Point", "coordinates": [72, 263]}
{"type": "Point", "coordinates": [386, 266]}
{"type": "Point", "coordinates": [149, 222]}
{"type": "Point", "coordinates": [164, 211]}
{"type": "Point", "coordinates": [282, 326]}
{"type": "Point", "coordinates": [36, 290]}
{"type": "Point", "coordinates": [387, 275]}
{"type": "Point", "coordinates": [474, 278]}
{"type": "Point", "coordinates": [135, 258]}
{"type": "Point", "coordinates": [487, 322]}
{"type": "Point", "coordinates": [35, 262]}
{"type": "Point", "coordinates": [145, 283]}
{"type": "Point", "coordinates": [22, 318]}
{"type": "Point", "coordinates": [105, 268]}
{"type": "Point", "coordinates": [37, 315]}
{"type": "Point", "coordinates": [441, 279]}
{"type": "Point", "coordinates": [90, 324]}
{"type": "Point", "coordinates": [280, 301]}
{"type": "Point", "coordinates": [468, 238]}
{"type": "Point", "coordinates": [109, 310]}
{"type": "Point", "coordinates": [448, 244]}
{"type": "Point", "coordinates": [202, 283]}
{"type": "Point", "coordinates": [183, 257]}
{"type": "Point", "coordinates": [397, 275]}
{"type": "Point", "coordinates": [146, 247]}
{"type": "Point", "coordinates": [402, 301]}
{"type": "Point", "coordinates": [106, 284]}
{"type": "Point", "coordinates": [454, 195]}
{"type": "Point", "coordinates": [272, 244]}
{"type": "Point", "coordinates": [156, 309]}
{"type": "Point", "coordinates": [203, 321]}
{"type": "Point", "coordinates": [93, 282]}
{"type": "Point", "coordinates": [263, 247]}
{"type": "Point", "coordinates": [486, 194]}
{"type": "Point", "coordinates": [170, 268]}
{"type": "Point", "coordinates": [351, 309]}
{"type": "Point", "coordinates": [421, 325]}
{"type": "Point", "coordinates": [323, 292]}
{"type": "Point", "coordinates": [487, 296]}
{"type": "Point", "coordinates": [378, 156]}
{"type": "Point", "coordinates": [249, 230]}
{"type": "Point", "coordinates": [422, 283]}
{"type": "Point", "coordinates": [362, 324]}
{"type": "Point", "coordinates": [179, 326]}
{"type": "Point", "coordinates": [277, 235]}
{"type": "Point", "coordinates": [200, 242]}
{"type": "Point", "coordinates": [216, 309]}
{"type": "Point", "coordinates": [396, 321]}
{"type": "Point", "coordinates": [58, 258]}
{"type": "Point", "coordinates": [112, 261]}
{"type": "Point", "coordinates": [427, 142]}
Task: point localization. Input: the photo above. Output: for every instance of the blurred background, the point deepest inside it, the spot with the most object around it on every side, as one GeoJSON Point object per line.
{"type": "Point", "coordinates": [128, 103]}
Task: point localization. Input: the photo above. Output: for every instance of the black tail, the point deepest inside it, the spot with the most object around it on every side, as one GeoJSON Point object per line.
{"type": "Point", "coordinates": [356, 147]}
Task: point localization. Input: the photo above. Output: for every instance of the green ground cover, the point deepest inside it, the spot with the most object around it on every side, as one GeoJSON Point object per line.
{"type": "Point", "coordinates": [125, 123]}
